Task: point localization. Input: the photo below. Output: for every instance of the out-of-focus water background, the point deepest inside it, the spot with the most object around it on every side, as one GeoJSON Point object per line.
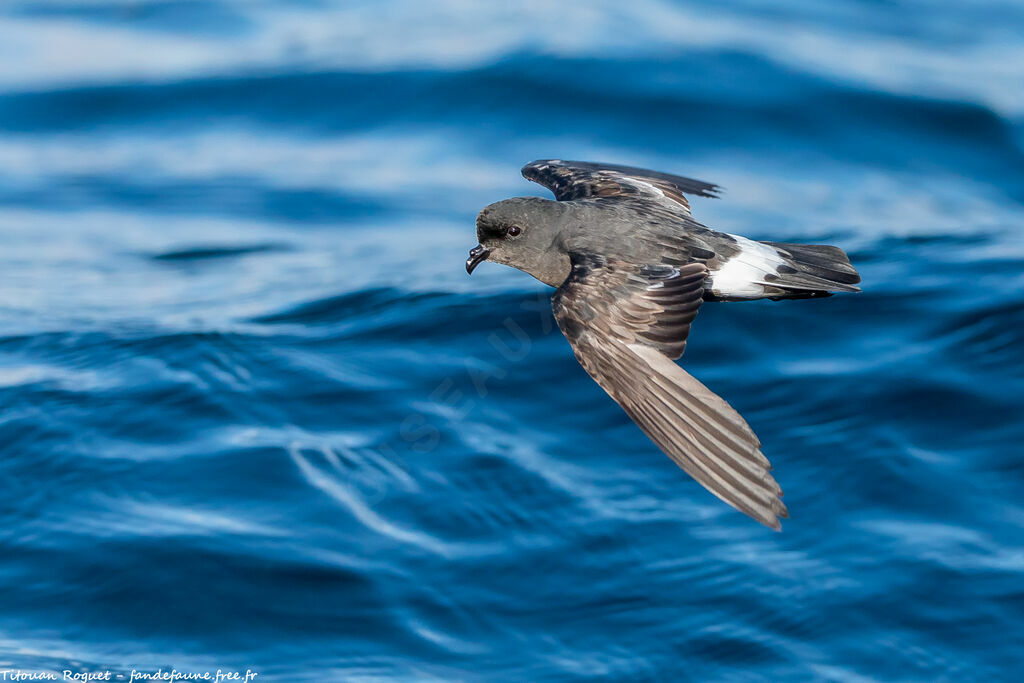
{"type": "Point", "coordinates": [254, 414]}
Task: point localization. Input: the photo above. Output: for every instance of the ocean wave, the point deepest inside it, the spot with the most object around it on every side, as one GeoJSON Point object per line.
{"type": "Point", "coordinates": [254, 414]}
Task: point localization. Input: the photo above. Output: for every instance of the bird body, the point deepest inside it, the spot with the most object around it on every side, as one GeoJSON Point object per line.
{"type": "Point", "coordinates": [632, 268]}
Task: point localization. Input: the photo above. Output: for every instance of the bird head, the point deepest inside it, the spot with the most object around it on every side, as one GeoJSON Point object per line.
{"type": "Point", "coordinates": [523, 233]}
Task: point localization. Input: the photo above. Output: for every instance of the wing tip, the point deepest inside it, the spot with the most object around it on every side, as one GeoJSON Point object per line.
{"type": "Point", "coordinates": [773, 517]}
{"type": "Point", "coordinates": [531, 171]}
{"type": "Point", "coordinates": [780, 512]}
{"type": "Point", "coordinates": [714, 192]}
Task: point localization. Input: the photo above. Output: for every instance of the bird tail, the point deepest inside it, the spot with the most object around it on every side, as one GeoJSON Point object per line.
{"type": "Point", "coordinates": [811, 270]}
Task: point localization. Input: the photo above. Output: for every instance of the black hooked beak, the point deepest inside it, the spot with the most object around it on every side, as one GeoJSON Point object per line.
{"type": "Point", "coordinates": [476, 255]}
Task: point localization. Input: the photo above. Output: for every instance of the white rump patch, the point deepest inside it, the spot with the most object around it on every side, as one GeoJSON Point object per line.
{"type": "Point", "coordinates": [742, 276]}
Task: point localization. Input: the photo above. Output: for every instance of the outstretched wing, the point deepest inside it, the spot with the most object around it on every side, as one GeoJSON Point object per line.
{"type": "Point", "coordinates": [626, 324]}
{"type": "Point", "coordinates": [581, 179]}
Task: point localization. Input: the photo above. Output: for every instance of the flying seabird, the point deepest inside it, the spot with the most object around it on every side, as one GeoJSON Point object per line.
{"type": "Point", "coordinates": [632, 268]}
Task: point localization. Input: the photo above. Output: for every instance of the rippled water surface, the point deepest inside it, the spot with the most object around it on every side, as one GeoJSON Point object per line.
{"type": "Point", "coordinates": [254, 414]}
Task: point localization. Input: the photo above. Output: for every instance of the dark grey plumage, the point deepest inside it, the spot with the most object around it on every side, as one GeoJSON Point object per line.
{"type": "Point", "coordinates": [632, 269]}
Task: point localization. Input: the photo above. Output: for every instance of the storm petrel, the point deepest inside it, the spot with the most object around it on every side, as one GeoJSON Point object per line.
{"type": "Point", "coordinates": [632, 267]}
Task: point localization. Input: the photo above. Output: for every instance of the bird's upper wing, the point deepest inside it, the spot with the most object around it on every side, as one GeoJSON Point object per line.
{"type": "Point", "coordinates": [581, 179]}
{"type": "Point", "coordinates": [626, 324]}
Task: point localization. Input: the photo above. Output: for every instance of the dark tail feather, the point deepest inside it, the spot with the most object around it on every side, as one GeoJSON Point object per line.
{"type": "Point", "coordinates": [813, 270]}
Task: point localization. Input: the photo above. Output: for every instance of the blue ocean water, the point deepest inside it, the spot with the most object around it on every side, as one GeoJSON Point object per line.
{"type": "Point", "coordinates": [254, 415]}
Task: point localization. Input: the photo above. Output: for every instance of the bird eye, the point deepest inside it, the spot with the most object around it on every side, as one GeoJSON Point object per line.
{"type": "Point", "coordinates": [513, 230]}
